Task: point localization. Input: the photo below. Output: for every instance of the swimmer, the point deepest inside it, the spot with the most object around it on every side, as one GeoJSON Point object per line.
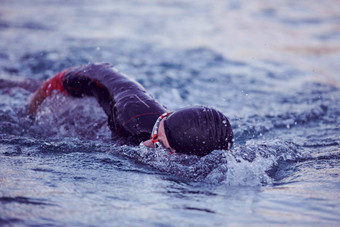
{"type": "Point", "coordinates": [135, 116]}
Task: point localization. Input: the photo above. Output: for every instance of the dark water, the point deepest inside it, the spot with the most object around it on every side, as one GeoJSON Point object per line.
{"type": "Point", "coordinates": [272, 68]}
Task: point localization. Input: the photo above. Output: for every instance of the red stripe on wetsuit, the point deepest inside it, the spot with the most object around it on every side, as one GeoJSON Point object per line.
{"type": "Point", "coordinates": [55, 83]}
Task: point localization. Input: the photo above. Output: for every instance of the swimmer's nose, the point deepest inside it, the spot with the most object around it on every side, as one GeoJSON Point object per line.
{"type": "Point", "coordinates": [149, 143]}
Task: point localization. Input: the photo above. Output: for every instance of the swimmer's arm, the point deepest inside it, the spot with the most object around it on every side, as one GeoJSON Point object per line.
{"type": "Point", "coordinates": [77, 82]}
{"type": "Point", "coordinates": [86, 80]}
{"type": "Point", "coordinates": [47, 88]}
{"type": "Point", "coordinates": [107, 85]}
{"type": "Point", "coordinates": [81, 81]}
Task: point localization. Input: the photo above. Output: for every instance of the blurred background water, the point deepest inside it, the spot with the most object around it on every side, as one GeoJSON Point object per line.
{"type": "Point", "coordinates": [271, 67]}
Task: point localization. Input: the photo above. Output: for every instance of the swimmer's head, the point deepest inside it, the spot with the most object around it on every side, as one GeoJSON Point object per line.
{"type": "Point", "coordinates": [196, 130]}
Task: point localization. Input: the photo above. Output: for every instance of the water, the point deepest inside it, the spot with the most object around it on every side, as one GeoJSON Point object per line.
{"type": "Point", "coordinates": [272, 68]}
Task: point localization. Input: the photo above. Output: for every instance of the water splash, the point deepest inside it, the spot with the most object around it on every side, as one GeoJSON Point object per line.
{"type": "Point", "coordinates": [252, 164]}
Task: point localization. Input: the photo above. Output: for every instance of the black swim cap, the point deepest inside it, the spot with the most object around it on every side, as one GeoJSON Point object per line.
{"type": "Point", "coordinates": [198, 130]}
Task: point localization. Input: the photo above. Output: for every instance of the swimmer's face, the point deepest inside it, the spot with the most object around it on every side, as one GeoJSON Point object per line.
{"type": "Point", "coordinates": [161, 138]}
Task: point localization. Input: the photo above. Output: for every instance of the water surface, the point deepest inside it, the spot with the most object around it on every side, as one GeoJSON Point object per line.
{"type": "Point", "coordinates": [271, 68]}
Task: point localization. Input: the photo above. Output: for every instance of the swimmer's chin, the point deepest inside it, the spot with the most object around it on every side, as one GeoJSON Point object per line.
{"type": "Point", "coordinates": [144, 147]}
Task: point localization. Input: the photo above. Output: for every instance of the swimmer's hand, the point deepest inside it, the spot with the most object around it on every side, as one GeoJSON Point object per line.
{"type": "Point", "coordinates": [38, 98]}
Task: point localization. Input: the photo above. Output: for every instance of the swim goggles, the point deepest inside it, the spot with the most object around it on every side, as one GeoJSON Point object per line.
{"type": "Point", "coordinates": [155, 141]}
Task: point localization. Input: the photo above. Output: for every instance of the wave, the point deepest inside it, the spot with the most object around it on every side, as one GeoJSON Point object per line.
{"type": "Point", "coordinates": [247, 165]}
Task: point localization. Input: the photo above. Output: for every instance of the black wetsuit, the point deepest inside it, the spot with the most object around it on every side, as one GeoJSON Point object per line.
{"type": "Point", "coordinates": [131, 111]}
